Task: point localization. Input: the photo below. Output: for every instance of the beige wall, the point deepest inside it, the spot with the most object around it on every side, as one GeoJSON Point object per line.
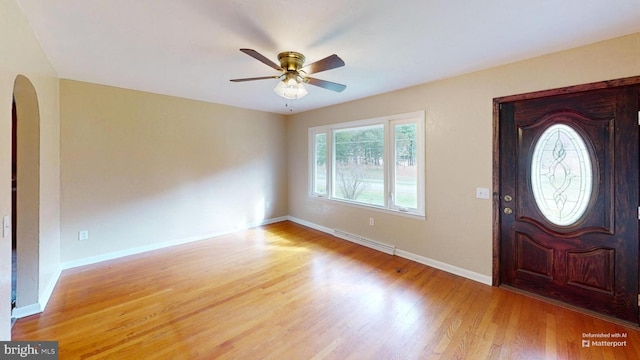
{"type": "Point", "coordinates": [21, 54]}
{"type": "Point", "coordinates": [140, 169]}
{"type": "Point", "coordinates": [458, 227]}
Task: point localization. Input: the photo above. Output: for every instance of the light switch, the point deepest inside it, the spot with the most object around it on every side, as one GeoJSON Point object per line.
{"type": "Point", "coordinates": [83, 235]}
{"type": "Point", "coordinates": [6, 226]}
{"type": "Point", "coordinates": [483, 193]}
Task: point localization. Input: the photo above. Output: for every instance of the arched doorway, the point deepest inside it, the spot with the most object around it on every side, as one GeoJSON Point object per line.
{"type": "Point", "coordinates": [26, 204]}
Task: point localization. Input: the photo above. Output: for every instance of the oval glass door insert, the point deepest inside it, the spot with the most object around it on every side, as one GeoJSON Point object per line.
{"type": "Point", "coordinates": [561, 175]}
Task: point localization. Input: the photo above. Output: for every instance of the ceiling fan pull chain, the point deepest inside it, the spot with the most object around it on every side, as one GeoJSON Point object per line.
{"type": "Point", "coordinates": [288, 106]}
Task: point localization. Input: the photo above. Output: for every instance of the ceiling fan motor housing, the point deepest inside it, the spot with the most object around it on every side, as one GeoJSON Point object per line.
{"type": "Point", "coordinates": [291, 60]}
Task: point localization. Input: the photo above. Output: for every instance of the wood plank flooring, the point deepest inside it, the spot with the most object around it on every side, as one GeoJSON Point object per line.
{"type": "Point", "coordinates": [284, 291]}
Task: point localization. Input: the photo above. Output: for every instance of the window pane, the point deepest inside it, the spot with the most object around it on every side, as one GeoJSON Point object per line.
{"type": "Point", "coordinates": [561, 175]}
{"type": "Point", "coordinates": [358, 164]}
{"type": "Point", "coordinates": [320, 158]}
{"type": "Point", "coordinates": [406, 166]}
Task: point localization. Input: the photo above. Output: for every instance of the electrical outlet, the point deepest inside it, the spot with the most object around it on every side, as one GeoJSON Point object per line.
{"type": "Point", "coordinates": [372, 221]}
{"type": "Point", "coordinates": [83, 235]}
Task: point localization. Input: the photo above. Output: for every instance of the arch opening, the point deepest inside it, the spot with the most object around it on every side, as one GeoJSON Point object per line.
{"type": "Point", "coordinates": [25, 192]}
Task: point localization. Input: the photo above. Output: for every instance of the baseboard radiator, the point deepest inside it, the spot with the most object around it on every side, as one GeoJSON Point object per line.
{"type": "Point", "coordinates": [385, 248]}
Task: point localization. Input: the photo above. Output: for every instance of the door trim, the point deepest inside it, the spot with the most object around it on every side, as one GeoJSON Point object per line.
{"type": "Point", "coordinates": [630, 81]}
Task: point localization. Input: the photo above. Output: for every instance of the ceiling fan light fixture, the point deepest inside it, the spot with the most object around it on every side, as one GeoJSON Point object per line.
{"type": "Point", "coordinates": [290, 88]}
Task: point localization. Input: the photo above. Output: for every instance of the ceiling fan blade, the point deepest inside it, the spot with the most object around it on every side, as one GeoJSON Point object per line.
{"type": "Point", "coordinates": [328, 63]}
{"type": "Point", "coordinates": [256, 55]}
{"type": "Point", "coordinates": [325, 84]}
{"type": "Point", "coordinates": [255, 78]}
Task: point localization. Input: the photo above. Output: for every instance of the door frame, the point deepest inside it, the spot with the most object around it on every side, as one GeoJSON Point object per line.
{"type": "Point", "coordinates": [635, 80]}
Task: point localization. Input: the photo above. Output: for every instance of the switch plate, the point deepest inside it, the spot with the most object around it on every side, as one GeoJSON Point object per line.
{"type": "Point", "coordinates": [483, 193]}
{"type": "Point", "coordinates": [372, 221]}
{"type": "Point", "coordinates": [83, 235]}
{"type": "Point", "coordinates": [6, 226]}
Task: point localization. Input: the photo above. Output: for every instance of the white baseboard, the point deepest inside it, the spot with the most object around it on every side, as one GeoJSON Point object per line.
{"type": "Point", "coordinates": [408, 255]}
{"type": "Point", "coordinates": [48, 291]}
{"type": "Point", "coordinates": [372, 244]}
{"type": "Point", "coordinates": [24, 311]}
{"type": "Point", "coordinates": [471, 275]}
{"type": "Point", "coordinates": [310, 225]}
{"type": "Point", "coordinates": [141, 249]}
{"type": "Point", "coordinates": [43, 299]}
{"type": "Point", "coordinates": [137, 250]}
{"type": "Point", "coordinates": [270, 221]}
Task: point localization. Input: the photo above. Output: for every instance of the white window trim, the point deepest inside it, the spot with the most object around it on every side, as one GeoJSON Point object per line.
{"type": "Point", "coordinates": [312, 160]}
{"type": "Point", "coordinates": [389, 206]}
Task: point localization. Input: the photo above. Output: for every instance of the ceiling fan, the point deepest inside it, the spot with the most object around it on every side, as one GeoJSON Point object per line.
{"type": "Point", "coordinates": [294, 74]}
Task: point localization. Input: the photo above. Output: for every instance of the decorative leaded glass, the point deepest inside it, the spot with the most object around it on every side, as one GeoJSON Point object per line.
{"type": "Point", "coordinates": [561, 175]}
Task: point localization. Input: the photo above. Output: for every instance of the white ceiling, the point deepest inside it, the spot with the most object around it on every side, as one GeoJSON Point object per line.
{"type": "Point", "coordinates": [189, 48]}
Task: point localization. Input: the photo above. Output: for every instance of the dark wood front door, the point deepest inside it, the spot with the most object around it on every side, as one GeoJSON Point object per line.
{"type": "Point", "coordinates": [568, 206]}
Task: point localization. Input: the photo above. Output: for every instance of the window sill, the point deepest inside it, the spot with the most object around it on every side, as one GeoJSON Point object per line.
{"type": "Point", "coordinates": [375, 208]}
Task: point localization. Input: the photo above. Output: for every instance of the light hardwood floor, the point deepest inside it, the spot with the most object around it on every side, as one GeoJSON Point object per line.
{"type": "Point", "coordinates": [284, 291]}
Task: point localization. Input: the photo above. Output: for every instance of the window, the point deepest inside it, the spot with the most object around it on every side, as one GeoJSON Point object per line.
{"type": "Point", "coordinates": [376, 162]}
{"type": "Point", "coordinates": [358, 164]}
{"type": "Point", "coordinates": [405, 167]}
{"type": "Point", "coordinates": [561, 175]}
{"type": "Point", "coordinates": [320, 164]}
